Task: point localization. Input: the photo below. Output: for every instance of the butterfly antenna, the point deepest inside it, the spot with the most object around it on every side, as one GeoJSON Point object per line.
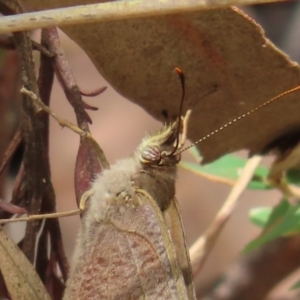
{"type": "Point", "coordinates": [241, 117]}
{"type": "Point", "coordinates": [182, 81]}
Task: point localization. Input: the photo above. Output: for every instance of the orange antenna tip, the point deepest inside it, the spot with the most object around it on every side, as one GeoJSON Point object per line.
{"type": "Point", "coordinates": [178, 70]}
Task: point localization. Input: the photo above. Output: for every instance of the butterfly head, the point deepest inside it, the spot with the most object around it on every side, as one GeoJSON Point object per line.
{"type": "Point", "coordinates": [160, 149]}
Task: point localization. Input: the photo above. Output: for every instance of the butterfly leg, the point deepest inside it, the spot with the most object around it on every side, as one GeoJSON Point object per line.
{"type": "Point", "coordinates": [84, 198]}
{"type": "Point", "coordinates": [185, 121]}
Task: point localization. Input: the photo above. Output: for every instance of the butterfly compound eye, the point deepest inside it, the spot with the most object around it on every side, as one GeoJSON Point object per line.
{"type": "Point", "coordinates": [150, 155]}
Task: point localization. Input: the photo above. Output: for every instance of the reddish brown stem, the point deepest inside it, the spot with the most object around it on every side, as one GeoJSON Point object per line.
{"type": "Point", "coordinates": [31, 128]}
{"type": "Point", "coordinates": [87, 163]}
{"type": "Point", "coordinates": [7, 42]}
{"type": "Point", "coordinates": [93, 93]}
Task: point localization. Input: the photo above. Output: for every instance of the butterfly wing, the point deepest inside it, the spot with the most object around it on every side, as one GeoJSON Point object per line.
{"type": "Point", "coordinates": [173, 221]}
{"type": "Point", "coordinates": [128, 255]}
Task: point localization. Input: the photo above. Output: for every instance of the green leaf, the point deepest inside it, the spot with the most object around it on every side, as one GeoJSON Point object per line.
{"type": "Point", "coordinates": [196, 154]}
{"type": "Point", "coordinates": [296, 285]}
{"type": "Point", "coordinates": [293, 176]}
{"type": "Point", "coordinates": [284, 219]}
{"type": "Point", "coordinates": [226, 169]}
{"type": "Point", "coordinates": [260, 216]}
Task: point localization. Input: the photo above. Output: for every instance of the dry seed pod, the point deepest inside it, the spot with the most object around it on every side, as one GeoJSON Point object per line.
{"type": "Point", "coordinates": [125, 248]}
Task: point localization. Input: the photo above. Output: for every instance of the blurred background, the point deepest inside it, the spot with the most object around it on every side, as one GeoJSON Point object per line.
{"type": "Point", "coordinates": [119, 126]}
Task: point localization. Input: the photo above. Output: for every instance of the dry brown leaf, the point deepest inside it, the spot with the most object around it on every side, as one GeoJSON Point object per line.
{"type": "Point", "coordinates": [20, 277]}
{"type": "Point", "coordinates": [219, 47]}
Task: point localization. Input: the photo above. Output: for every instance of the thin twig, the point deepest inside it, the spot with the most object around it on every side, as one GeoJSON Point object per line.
{"type": "Point", "coordinates": [7, 42]}
{"type": "Point", "coordinates": [203, 246]}
{"type": "Point", "coordinates": [11, 208]}
{"type": "Point", "coordinates": [58, 247]}
{"type": "Point", "coordinates": [67, 79]}
{"type": "Point", "coordinates": [66, 123]}
{"type": "Point", "coordinates": [42, 216]}
{"type": "Point", "coordinates": [51, 226]}
{"type": "Point", "coordinates": [116, 10]}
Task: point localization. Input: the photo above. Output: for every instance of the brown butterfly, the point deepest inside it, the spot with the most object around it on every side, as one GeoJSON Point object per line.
{"type": "Point", "coordinates": [131, 243]}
